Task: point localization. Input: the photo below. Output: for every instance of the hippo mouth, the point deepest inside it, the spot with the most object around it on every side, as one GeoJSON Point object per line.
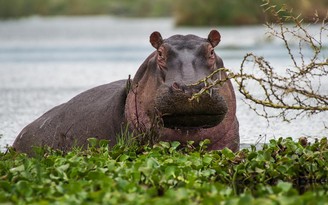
{"type": "Point", "coordinates": [178, 112]}
{"type": "Point", "coordinates": [190, 121]}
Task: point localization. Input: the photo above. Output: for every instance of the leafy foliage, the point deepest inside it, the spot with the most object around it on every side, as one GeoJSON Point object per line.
{"type": "Point", "coordinates": [167, 173]}
{"type": "Point", "coordinates": [140, 8]}
{"type": "Point", "coordinates": [236, 12]}
{"type": "Point", "coordinates": [213, 12]}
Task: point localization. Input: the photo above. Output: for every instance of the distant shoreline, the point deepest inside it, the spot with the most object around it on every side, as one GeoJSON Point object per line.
{"type": "Point", "coordinates": [184, 12]}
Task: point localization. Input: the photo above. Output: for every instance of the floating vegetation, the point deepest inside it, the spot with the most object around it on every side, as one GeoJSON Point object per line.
{"type": "Point", "coordinates": [282, 172]}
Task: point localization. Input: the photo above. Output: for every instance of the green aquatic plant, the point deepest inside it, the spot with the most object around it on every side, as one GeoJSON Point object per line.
{"type": "Point", "coordinates": [282, 172]}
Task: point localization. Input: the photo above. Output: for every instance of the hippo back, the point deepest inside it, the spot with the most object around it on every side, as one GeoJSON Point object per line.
{"type": "Point", "coordinates": [97, 112]}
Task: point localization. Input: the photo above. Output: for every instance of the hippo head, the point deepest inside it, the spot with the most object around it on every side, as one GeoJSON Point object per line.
{"type": "Point", "coordinates": [165, 82]}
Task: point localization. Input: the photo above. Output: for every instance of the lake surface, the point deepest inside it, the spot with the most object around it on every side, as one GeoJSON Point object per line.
{"type": "Point", "coordinates": [47, 61]}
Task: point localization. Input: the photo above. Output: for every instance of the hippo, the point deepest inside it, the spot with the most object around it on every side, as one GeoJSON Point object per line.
{"type": "Point", "coordinates": [156, 99]}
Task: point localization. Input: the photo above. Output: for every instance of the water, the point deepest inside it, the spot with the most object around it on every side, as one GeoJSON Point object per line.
{"type": "Point", "coordinates": [47, 61]}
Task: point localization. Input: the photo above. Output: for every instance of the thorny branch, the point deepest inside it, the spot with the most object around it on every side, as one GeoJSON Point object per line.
{"type": "Point", "coordinates": [209, 84]}
{"type": "Point", "coordinates": [294, 91]}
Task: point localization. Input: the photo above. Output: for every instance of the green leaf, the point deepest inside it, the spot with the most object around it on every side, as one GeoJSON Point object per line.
{"type": "Point", "coordinates": [228, 153]}
{"type": "Point", "coordinates": [103, 143]}
{"type": "Point", "coordinates": [170, 171]}
{"type": "Point", "coordinates": [17, 169]}
{"type": "Point", "coordinates": [24, 188]}
{"type": "Point", "coordinates": [204, 142]}
{"type": "Point", "coordinates": [207, 160]}
{"type": "Point", "coordinates": [63, 167]}
{"type": "Point", "coordinates": [165, 144]}
{"type": "Point", "coordinates": [174, 146]}
{"type": "Point", "coordinates": [246, 199]}
{"type": "Point", "coordinates": [123, 157]}
{"type": "Point", "coordinates": [152, 163]}
{"type": "Point", "coordinates": [93, 142]}
{"type": "Point", "coordinates": [284, 186]}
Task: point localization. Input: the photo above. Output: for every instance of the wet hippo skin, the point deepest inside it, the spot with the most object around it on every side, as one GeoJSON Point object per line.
{"type": "Point", "coordinates": [160, 90]}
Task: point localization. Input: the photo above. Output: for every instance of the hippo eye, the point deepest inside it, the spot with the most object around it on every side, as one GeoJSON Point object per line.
{"type": "Point", "coordinates": [212, 53]}
{"type": "Point", "coordinates": [161, 53]}
{"type": "Point", "coordinates": [160, 56]}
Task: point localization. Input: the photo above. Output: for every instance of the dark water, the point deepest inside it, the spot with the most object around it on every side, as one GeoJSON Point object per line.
{"type": "Point", "coordinates": [47, 61]}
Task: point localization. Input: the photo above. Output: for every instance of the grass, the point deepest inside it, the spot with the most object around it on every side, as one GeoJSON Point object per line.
{"type": "Point", "coordinates": [282, 172]}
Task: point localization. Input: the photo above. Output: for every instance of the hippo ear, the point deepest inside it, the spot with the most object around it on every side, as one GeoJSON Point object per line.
{"type": "Point", "coordinates": [156, 39]}
{"type": "Point", "coordinates": [214, 38]}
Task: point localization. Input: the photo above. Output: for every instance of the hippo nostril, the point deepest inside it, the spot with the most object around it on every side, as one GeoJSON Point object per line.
{"type": "Point", "coordinates": [187, 89]}
{"type": "Point", "coordinates": [176, 87]}
{"type": "Point", "coordinates": [200, 86]}
{"type": "Point", "coordinates": [197, 88]}
{"type": "Point", "coordinates": [194, 90]}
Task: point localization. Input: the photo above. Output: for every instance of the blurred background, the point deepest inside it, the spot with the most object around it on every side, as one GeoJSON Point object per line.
{"type": "Point", "coordinates": [51, 50]}
{"type": "Point", "coordinates": [184, 12]}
